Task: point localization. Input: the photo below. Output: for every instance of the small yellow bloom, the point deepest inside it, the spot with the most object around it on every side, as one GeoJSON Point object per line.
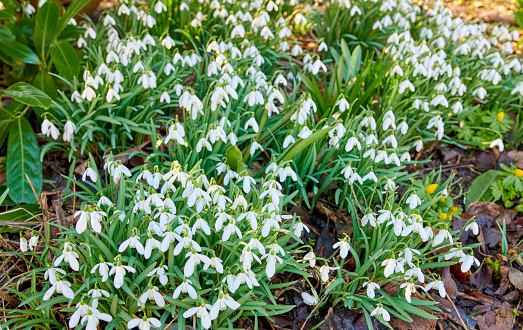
{"type": "Point", "coordinates": [442, 199]}
{"type": "Point", "coordinates": [500, 116]}
{"type": "Point", "coordinates": [518, 173]}
{"type": "Point", "coordinates": [453, 209]}
{"type": "Point", "coordinates": [443, 216]}
{"type": "Point", "coordinates": [431, 188]}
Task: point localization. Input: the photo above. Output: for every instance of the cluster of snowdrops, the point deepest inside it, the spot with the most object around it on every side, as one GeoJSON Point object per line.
{"type": "Point", "coordinates": [199, 232]}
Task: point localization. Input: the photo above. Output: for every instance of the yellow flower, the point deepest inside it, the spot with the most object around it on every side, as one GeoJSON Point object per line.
{"type": "Point", "coordinates": [443, 216]}
{"type": "Point", "coordinates": [518, 173]}
{"type": "Point", "coordinates": [431, 188]}
{"type": "Point", "coordinates": [500, 116]}
{"type": "Point", "coordinates": [442, 199]}
{"type": "Point", "coordinates": [453, 209]}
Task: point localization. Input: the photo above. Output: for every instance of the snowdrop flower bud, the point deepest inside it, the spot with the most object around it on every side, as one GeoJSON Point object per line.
{"type": "Point", "coordinates": [311, 300]}
{"type": "Point", "coordinates": [497, 143]}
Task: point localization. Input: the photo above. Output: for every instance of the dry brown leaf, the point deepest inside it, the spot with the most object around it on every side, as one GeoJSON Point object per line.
{"type": "Point", "coordinates": [516, 278]}
{"type": "Point", "coordinates": [517, 156]}
{"type": "Point", "coordinates": [502, 318]}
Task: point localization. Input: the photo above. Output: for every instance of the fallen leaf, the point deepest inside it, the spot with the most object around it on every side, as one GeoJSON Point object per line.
{"type": "Point", "coordinates": [344, 319]}
{"type": "Point", "coordinates": [517, 157]}
{"type": "Point", "coordinates": [485, 212]}
{"type": "Point", "coordinates": [504, 280]}
{"type": "Point", "coordinates": [418, 322]}
{"type": "Point", "coordinates": [482, 278]}
{"type": "Point", "coordinates": [516, 278]}
{"type": "Point", "coordinates": [450, 284]}
{"type": "Point", "coordinates": [503, 318]}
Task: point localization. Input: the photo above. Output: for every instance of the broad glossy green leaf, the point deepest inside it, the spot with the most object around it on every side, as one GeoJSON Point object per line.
{"type": "Point", "coordinates": [45, 82]}
{"type": "Point", "coordinates": [479, 189]}
{"type": "Point", "coordinates": [301, 144]}
{"type": "Point", "coordinates": [65, 59]}
{"type": "Point", "coordinates": [6, 34]}
{"type": "Point", "coordinates": [27, 94]}
{"type": "Point", "coordinates": [73, 9]}
{"type": "Point", "coordinates": [7, 117]}
{"type": "Point", "coordinates": [234, 158]}
{"type": "Point", "coordinates": [45, 27]}
{"type": "Point", "coordinates": [23, 158]}
{"type": "Point", "coordinates": [19, 52]}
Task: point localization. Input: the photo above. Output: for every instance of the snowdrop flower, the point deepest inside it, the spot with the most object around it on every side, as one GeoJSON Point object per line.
{"type": "Point", "coordinates": [343, 104]}
{"type": "Point", "coordinates": [415, 271]}
{"type": "Point", "coordinates": [224, 301]}
{"type": "Point", "coordinates": [144, 323]}
{"type": "Point", "coordinates": [344, 247]}
{"type": "Point", "coordinates": [152, 294]}
{"type": "Point", "coordinates": [49, 129]}
{"type": "Point", "coordinates": [202, 312]}
{"type": "Point", "coordinates": [160, 7]}
{"type": "Point", "coordinates": [23, 243]}
{"type": "Point", "coordinates": [119, 272]}
{"type": "Point", "coordinates": [51, 274]}
{"type": "Point", "coordinates": [410, 288]}
{"type": "Point", "coordinates": [311, 258]}
{"type": "Point", "coordinates": [93, 317]}
{"type": "Point", "coordinates": [272, 259]}
{"type": "Point", "coordinates": [255, 146]}
{"type": "Point", "coordinates": [284, 172]}
{"type": "Point", "coordinates": [185, 287]}
{"type": "Point", "coordinates": [60, 286]}
{"type": "Point", "coordinates": [413, 201]}
{"type": "Point", "coordinates": [93, 216]}
{"type": "Point", "coordinates": [441, 236]}
{"type": "Point", "coordinates": [467, 260]}
{"type": "Point", "coordinates": [160, 271]}
{"type": "Point", "coordinates": [298, 228]}
{"type": "Point", "coordinates": [81, 310]}
{"type": "Point", "coordinates": [97, 293]}
{"type": "Point", "coordinates": [404, 85]}
{"type": "Point", "coordinates": [439, 285]}
{"type": "Point", "coordinates": [480, 93]}
{"type": "Point", "coordinates": [103, 269]}
{"type": "Point", "coordinates": [351, 143]}
{"type": "Point", "coordinates": [370, 288]}
{"type": "Point", "coordinates": [68, 256]}
{"type": "Point", "coordinates": [381, 311]}
{"type": "Point", "coordinates": [311, 300]}
{"type": "Point", "coordinates": [390, 266]}
{"type": "Point", "coordinates": [418, 145]}
{"type": "Point", "coordinates": [473, 226]}
{"type": "Point", "coordinates": [288, 141]}
{"type": "Point", "coordinates": [69, 130]}
{"type": "Point", "coordinates": [324, 272]}
{"type": "Point", "coordinates": [252, 123]}
{"type": "Point", "coordinates": [33, 241]}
